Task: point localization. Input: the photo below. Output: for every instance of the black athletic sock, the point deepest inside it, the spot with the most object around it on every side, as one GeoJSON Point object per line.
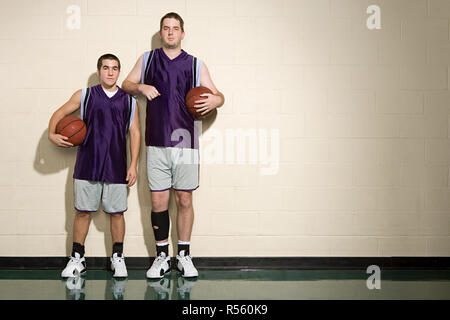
{"type": "Point", "coordinates": [118, 248]}
{"type": "Point", "coordinates": [184, 247]}
{"type": "Point", "coordinates": [164, 249]}
{"type": "Point", "coordinates": [77, 247]}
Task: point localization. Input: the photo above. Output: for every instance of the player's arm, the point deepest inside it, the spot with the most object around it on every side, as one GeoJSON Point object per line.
{"type": "Point", "coordinates": [135, 145]}
{"type": "Point", "coordinates": [67, 108]}
{"type": "Point", "coordinates": [212, 101]}
{"type": "Point", "coordinates": [132, 84]}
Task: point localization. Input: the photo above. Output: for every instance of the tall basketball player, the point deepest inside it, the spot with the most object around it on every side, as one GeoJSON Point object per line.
{"type": "Point", "coordinates": [101, 167]}
{"type": "Point", "coordinates": [164, 76]}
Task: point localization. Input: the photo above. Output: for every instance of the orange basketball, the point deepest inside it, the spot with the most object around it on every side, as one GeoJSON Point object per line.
{"type": "Point", "coordinates": [73, 128]}
{"type": "Point", "coordinates": [194, 95]}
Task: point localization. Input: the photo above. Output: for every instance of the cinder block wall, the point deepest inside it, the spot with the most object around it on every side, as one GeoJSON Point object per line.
{"type": "Point", "coordinates": [333, 140]}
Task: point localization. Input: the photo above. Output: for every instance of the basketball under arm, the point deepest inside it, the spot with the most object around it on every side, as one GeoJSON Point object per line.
{"type": "Point", "coordinates": [206, 81]}
{"type": "Point", "coordinates": [69, 107]}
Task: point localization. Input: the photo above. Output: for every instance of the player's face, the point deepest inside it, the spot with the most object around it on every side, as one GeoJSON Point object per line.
{"type": "Point", "coordinates": [109, 72]}
{"type": "Point", "coordinates": [171, 33]}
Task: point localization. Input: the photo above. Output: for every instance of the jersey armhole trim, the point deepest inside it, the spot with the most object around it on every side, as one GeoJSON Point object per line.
{"type": "Point", "coordinates": [84, 100]}
{"type": "Point", "coordinates": [146, 61]}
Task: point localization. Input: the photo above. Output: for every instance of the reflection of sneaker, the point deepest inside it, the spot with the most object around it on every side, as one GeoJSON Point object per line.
{"type": "Point", "coordinates": [184, 287]}
{"type": "Point", "coordinates": [160, 267]}
{"type": "Point", "coordinates": [161, 287]}
{"type": "Point", "coordinates": [186, 266]}
{"type": "Point", "coordinates": [118, 266]}
{"type": "Point", "coordinates": [75, 285]}
{"type": "Point", "coordinates": [118, 288]}
{"type": "Point", "coordinates": [75, 267]}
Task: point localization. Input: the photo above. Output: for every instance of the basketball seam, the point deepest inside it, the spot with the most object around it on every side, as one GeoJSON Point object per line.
{"type": "Point", "coordinates": [77, 131]}
{"type": "Point", "coordinates": [68, 124]}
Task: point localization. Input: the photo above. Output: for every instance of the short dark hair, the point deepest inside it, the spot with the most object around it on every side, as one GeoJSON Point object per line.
{"type": "Point", "coordinates": [109, 56]}
{"type": "Point", "coordinates": [172, 15]}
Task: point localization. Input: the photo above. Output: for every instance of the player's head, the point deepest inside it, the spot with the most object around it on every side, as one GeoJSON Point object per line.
{"type": "Point", "coordinates": [108, 69]}
{"type": "Point", "coordinates": [171, 30]}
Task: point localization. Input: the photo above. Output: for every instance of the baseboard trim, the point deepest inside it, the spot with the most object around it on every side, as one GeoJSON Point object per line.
{"type": "Point", "coordinates": [237, 263]}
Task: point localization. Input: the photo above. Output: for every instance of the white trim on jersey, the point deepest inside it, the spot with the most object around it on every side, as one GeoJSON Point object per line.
{"type": "Point", "coordinates": [144, 64]}
{"type": "Point", "coordinates": [133, 109]}
{"type": "Point", "coordinates": [199, 69]}
{"type": "Point", "coordinates": [83, 96]}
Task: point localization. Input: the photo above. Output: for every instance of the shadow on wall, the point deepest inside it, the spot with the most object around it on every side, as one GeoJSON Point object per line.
{"type": "Point", "coordinates": [50, 159]}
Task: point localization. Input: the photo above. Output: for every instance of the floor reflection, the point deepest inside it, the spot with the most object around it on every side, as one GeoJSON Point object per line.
{"type": "Point", "coordinates": [229, 285]}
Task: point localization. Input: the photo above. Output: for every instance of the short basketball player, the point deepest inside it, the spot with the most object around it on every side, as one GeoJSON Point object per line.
{"type": "Point", "coordinates": [100, 172]}
{"type": "Point", "coordinates": [164, 76]}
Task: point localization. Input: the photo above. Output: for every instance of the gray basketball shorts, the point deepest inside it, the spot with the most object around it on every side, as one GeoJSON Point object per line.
{"type": "Point", "coordinates": [170, 167]}
{"type": "Point", "coordinates": [89, 193]}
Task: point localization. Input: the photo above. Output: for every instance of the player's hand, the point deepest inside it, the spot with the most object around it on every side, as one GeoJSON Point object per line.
{"type": "Point", "coordinates": [208, 104]}
{"type": "Point", "coordinates": [149, 91]}
{"type": "Point", "coordinates": [131, 176]}
{"type": "Point", "coordinates": [59, 140]}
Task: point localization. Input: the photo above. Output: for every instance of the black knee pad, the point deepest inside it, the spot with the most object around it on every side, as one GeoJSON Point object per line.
{"type": "Point", "coordinates": [160, 223]}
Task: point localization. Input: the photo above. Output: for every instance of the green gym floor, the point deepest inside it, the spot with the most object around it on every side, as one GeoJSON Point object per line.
{"type": "Point", "coordinates": [229, 285]}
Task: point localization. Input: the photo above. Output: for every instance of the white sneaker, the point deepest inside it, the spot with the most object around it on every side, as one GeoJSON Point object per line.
{"type": "Point", "coordinates": [186, 266]}
{"type": "Point", "coordinates": [74, 267]}
{"type": "Point", "coordinates": [160, 267]}
{"type": "Point", "coordinates": [118, 266]}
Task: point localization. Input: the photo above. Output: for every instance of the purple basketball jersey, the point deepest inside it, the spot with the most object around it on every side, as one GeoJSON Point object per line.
{"type": "Point", "coordinates": [103, 154]}
{"type": "Point", "coordinates": [167, 117]}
